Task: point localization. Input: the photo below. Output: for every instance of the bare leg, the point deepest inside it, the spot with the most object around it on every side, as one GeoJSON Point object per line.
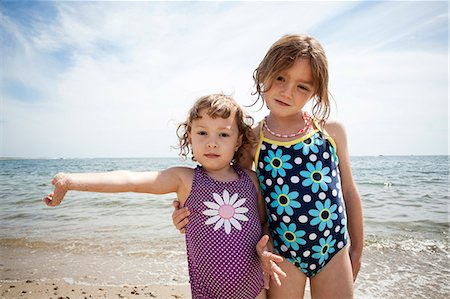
{"type": "Point", "coordinates": [293, 286]}
{"type": "Point", "coordinates": [336, 278]}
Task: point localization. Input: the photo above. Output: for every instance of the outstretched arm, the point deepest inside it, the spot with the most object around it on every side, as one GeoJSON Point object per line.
{"type": "Point", "coordinates": [160, 182]}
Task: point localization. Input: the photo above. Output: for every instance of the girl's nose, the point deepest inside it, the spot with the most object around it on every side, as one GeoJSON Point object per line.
{"type": "Point", "coordinates": [212, 144]}
{"type": "Point", "coordinates": [287, 90]}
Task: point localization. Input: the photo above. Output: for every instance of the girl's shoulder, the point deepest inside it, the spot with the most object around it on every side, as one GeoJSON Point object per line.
{"type": "Point", "coordinates": [335, 130]}
{"type": "Point", "coordinates": [185, 173]}
{"type": "Point", "coordinates": [184, 169]}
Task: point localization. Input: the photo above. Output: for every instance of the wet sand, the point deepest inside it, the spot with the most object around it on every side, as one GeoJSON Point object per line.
{"type": "Point", "coordinates": [61, 289]}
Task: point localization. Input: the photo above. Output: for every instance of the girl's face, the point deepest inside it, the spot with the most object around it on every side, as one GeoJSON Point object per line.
{"type": "Point", "coordinates": [291, 89]}
{"type": "Point", "coordinates": [214, 140]}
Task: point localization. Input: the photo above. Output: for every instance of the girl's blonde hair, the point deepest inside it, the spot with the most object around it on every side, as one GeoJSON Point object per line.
{"type": "Point", "coordinates": [282, 55]}
{"type": "Point", "coordinates": [217, 105]}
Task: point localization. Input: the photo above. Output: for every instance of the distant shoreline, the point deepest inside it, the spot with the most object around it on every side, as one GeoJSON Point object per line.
{"type": "Point", "coordinates": [176, 157]}
{"type": "Point", "coordinates": [84, 158]}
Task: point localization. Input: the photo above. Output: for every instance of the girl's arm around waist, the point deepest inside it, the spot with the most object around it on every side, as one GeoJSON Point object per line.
{"type": "Point", "coordinates": [264, 248]}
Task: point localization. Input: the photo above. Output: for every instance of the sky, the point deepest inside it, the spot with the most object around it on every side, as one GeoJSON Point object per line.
{"type": "Point", "coordinates": [113, 79]}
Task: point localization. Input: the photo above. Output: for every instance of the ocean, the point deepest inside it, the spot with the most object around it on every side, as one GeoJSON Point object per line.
{"type": "Point", "coordinates": [126, 238]}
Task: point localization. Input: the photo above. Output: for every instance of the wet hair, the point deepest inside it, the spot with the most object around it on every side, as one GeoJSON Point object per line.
{"type": "Point", "coordinates": [217, 105]}
{"type": "Point", "coordinates": [282, 55]}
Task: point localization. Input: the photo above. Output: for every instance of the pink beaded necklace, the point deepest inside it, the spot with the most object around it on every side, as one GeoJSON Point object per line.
{"type": "Point", "coordinates": [306, 118]}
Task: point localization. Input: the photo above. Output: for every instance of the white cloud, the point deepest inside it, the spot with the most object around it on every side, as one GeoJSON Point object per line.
{"type": "Point", "coordinates": [132, 69]}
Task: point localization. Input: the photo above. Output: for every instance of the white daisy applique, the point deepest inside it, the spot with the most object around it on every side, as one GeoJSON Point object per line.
{"type": "Point", "coordinates": [226, 211]}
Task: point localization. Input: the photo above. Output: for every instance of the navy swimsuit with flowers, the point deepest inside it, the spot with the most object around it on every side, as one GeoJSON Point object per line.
{"type": "Point", "coordinates": [302, 190]}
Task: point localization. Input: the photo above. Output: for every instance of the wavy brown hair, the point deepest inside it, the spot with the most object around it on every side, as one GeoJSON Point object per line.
{"type": "Point", "coordinates": [282, 55]}
{"type": "Point", "coordinates": [217, 105]}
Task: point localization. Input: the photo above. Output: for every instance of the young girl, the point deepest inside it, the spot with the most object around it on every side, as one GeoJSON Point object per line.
{"type": "Point", "coordinates": [303, 167]}
{"type": "Point", "coordinates": [223, 199]}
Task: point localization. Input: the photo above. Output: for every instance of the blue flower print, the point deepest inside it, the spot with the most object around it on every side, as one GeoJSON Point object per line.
{"type": "Point", "coordinates": [297, 261]}
{"type": "Point", "coordinates": [323, 251]}
{"type": "Point", "coordinates": [334, 156]}
{"type": "Point", "coordinates": [275, 245]}
{"type": "Point", "coordinates": [344, 225]}
{"type": "Point", "coordinates": [277, 162]}
{"type": "Point", "coordinates": [261, 182]}
{"type": "Point", "coordinates": [316, 176]}
{"type": "Point", "coordinates": [309, 144]}
{"type": "Point", "coordinates": [284, 200]}
{"type": "Point", "coordinates": [324, 215]}
{"type": "Point", "coordinates": [291, 236]}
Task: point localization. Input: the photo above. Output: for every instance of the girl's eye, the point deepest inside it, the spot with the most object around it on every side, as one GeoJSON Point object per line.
{"type": "Point", "coordinates": [201, 133]}
{"type": "Point", "coordinates": [280, 78]}
{"type": "Point", "coordinates": [303, 88]}
{"type": "Point", "coordinates": [224, 135]}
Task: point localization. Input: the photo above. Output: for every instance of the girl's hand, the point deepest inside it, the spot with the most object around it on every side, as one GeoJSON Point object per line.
{"type": "Point", "coordinates": [60, 182]}
{"type": "Point", "coordinates": [355, 258]}
{"type": "Point", "coordinates": [268, 263]}
{"type": "Point", "coordinates": [179, 216]}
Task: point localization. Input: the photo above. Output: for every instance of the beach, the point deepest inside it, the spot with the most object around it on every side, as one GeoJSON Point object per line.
{"type": "Point", "coordinates": [63, 289]}
{"type": "Point", "coordinates": [125, 246]}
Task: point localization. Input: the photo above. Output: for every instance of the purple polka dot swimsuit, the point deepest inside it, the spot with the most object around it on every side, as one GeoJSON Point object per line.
{"type": "Point", "coordinates": [221, 236]}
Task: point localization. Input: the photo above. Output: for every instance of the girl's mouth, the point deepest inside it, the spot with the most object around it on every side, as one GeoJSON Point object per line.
{"type": "Point", "coordinates": [281, 103]}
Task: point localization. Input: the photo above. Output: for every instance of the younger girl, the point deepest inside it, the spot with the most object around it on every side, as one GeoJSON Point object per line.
{"type": "Point", "coordinates": [303, 167]}
{"type": "Point", "coordinates": [225, 224]}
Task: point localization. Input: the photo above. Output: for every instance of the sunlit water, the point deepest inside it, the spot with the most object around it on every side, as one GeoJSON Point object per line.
{"type": "Point", "coordinates": [129, 238]}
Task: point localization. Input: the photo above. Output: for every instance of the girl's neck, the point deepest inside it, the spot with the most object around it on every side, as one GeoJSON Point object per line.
{"type": "Point", "coordinates": [286, 124]}
{"type": "Point", "coordinates": [225, 174]}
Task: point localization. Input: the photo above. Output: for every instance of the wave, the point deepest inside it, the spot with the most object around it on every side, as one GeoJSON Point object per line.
{"type": "Point", "coordinates": [407, 244]}
{"type": "Point", "coordinates": [160, 248]}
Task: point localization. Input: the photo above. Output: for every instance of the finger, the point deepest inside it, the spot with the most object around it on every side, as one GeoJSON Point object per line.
{"type": "Point", "coordinates": [277, 270]}
{"type": "Point", "coordinates": [276, 279]}
{"type": "Point", "coordinates": [272, 256]}
{"type": "Point", "coordinates": [266, 280]}
{"type": "Point", "coordinates": [50, 202]}
{"type": "Point", "coordinates": [176, 204]}
{"type": "Point", "coordinates": [49, 196]}
{"type": "Point", "coordinates": [47, 200]}
{"type": "Point", "coordinates": [179, 215]}
{"type": "Point", "coordinates": [183, 230]}
{"type": "Point", "coordinates": [262, 243]}
{"type": "Point", "coordinates": [181, 225]}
